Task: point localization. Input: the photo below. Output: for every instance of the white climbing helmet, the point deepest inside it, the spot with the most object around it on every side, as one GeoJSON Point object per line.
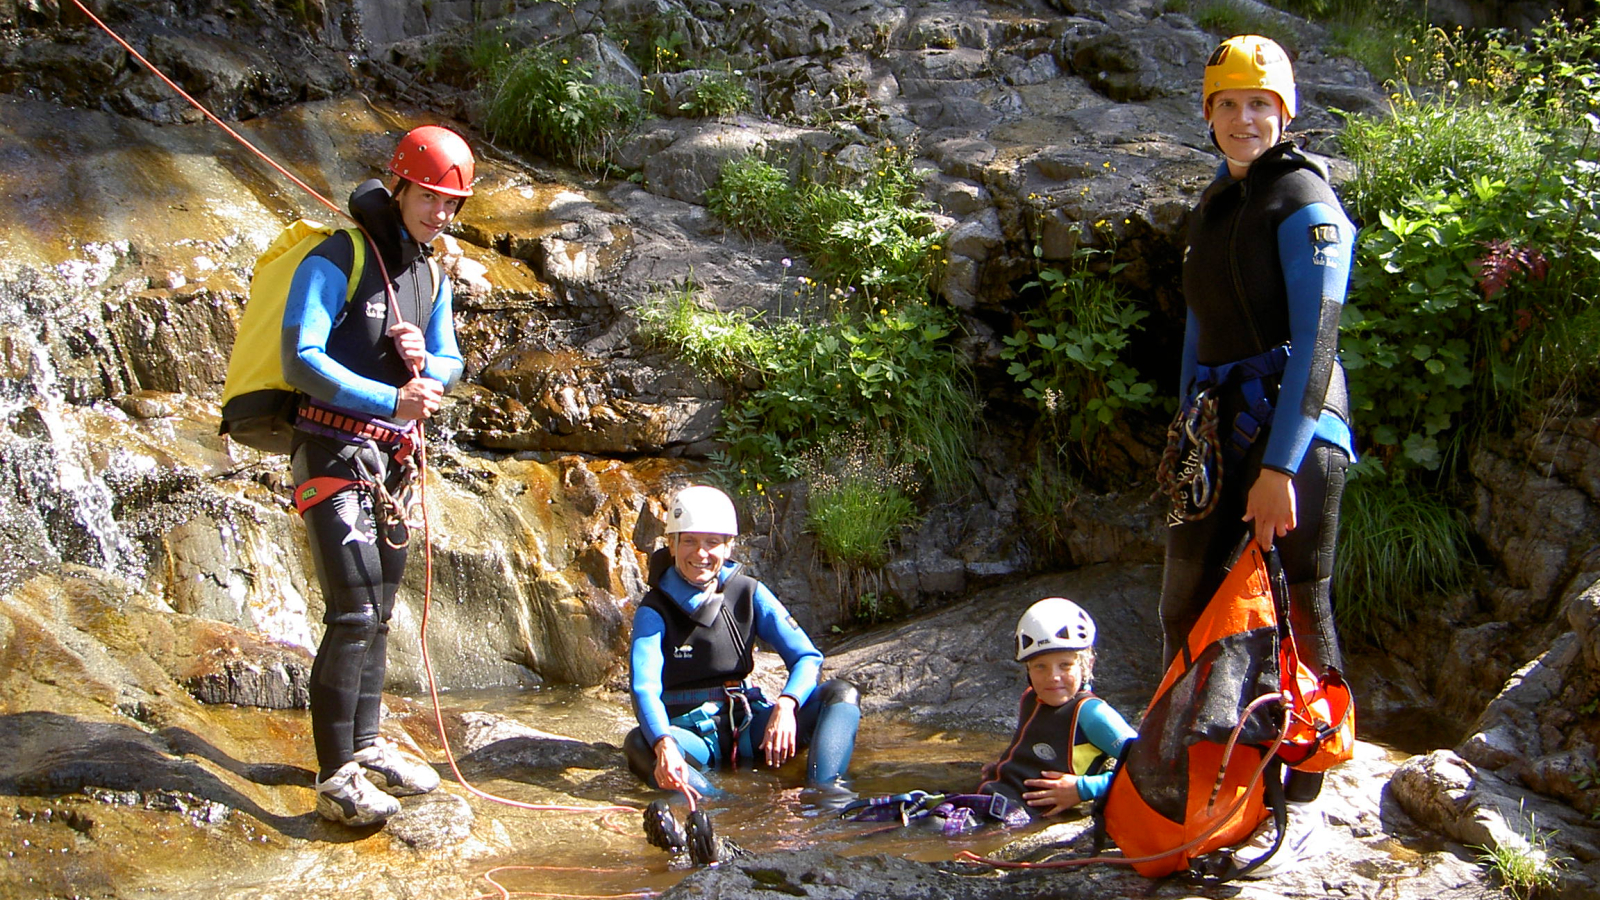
{"type": "Point", "coordinates": [1054, 623]}
{"type": "Point", "coordinates": [703, 509]}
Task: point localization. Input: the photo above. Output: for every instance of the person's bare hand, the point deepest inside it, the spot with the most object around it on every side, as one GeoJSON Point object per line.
{"type": "Point", "coordinates": [412, 345]}
{"type": "Point", "coordinates": [418, 398]}
{"type": "Point", "coordinates": [1271, 506]}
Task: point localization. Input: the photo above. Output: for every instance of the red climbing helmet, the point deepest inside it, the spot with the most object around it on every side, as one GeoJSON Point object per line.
{"type": "Point", "coordinates": [436, 158]}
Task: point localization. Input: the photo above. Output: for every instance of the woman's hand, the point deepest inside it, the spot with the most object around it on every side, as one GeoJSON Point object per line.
{"type": "Point", "coordinates": [1270, 506]}
{"type": "Point", "coordinates": [672, 770]}
{"type": "Point", "coordinates": [779, 741]}
{"type": "Point", "coordinates": [1057, 790]}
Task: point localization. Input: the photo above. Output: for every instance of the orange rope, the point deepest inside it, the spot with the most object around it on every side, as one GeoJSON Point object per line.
{"type": "Point", "coordinates": [427, 663]}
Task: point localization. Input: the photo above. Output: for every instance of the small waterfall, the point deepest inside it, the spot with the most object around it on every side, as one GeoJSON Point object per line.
{"type": "Point", "coordinates": [55, 505]}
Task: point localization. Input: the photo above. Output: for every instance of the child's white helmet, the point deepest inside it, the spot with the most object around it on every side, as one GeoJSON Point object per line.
{"type": "Point", "coordinates": [1054, 623]}
{"type": "Point", "coordinates": [703, 509]}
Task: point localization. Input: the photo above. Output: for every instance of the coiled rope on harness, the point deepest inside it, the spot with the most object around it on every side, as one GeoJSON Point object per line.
{"type": "Point", "coordinates": [418, 436]}
{"type": "Point", "coordinates": [1189, 476]}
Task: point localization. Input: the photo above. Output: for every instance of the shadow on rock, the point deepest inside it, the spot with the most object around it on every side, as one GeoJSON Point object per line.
{"type": "Point", "coordinates": [47, 754]}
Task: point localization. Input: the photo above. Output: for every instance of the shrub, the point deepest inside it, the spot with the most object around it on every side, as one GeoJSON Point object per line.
{"type": "Point", "coordinates": [1477, 271]}
{"type": "Point", "coordinates": [894, 371]}
{"type": "Point", "coordinates": [858, 503]}
{"type": "Point", "coordinates": [872, 233]}
{"type": "Point", "coordinates": [754, 196]}
{"type": "Point", "coordinates": [1071, 355]}
{"type": "Point", "coordinates": [545, 101]}
{"type": "Point", "coordinates": [726, 346]}
{"type": "Point", "coordinates": [717, 94]}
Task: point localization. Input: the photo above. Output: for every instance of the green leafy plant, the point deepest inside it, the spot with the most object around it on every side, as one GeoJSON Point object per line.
{"type": "Point", "coordinates": [1071, 354]}
{"type": "Point", "coordinates": [546, 101]}
{"type": "Point", "coordinates": [872, 232]}
{"type": "Point", "coordinates": [753, 195]}
{"type": "Point", "coordinates": [726, 345]}
{"type": "Point", "coordinates": [895, 371]}
{"type": "Point", "coordinates": [1477, 272]}
{"type": "Point", "coordinates": [1049, 494]}
{"type": "Point", "coordinates": [717, 94]}
{"type": "Point", "coordinates": [1398, 541]}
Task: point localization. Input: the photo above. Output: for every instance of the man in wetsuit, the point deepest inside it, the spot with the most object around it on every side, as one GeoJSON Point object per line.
{"type": "Point", "coordinates": [369, 369]}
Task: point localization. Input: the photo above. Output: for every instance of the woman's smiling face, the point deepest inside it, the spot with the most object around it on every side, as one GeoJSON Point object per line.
{"type": "Point", "coordinates": [1247, 122]}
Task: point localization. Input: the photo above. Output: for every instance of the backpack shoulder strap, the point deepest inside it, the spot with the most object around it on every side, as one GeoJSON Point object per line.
{"type": "Point", "coordinates": [358, 259]}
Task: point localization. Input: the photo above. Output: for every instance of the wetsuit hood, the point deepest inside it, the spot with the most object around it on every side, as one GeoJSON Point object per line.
{"type": "Point", "coordinates": [374, 207]}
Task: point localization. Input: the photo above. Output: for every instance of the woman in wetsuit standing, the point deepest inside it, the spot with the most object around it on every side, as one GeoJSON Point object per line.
{"type": "Point", "coordinates": [1265, 270]}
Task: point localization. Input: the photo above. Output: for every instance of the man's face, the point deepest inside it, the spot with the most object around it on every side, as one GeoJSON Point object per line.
{"type": "Point", "coordinates": [424, 212]}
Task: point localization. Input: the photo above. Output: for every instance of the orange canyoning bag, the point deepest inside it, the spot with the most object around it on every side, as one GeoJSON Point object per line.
{"type": "Point", "coordinates": [1201, 774]}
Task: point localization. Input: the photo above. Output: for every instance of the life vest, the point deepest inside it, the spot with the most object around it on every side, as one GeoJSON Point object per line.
{"type": "Point", "coordinates": [1042, 733]}
{"type": "Point", "coordinates": [258, 403]}
{"type": "Point", "coordinates": [1201, 775]}
{"type": "Point", "coordinates": [713, 647]}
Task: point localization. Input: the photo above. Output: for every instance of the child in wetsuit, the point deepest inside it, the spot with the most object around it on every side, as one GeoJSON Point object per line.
{"type": "Point", "coordinates": [1061, 752]}
{"type": "Point", "coordinates": [1066, 737]}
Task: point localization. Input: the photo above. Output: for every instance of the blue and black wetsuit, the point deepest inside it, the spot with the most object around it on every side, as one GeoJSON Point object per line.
{"type": "Point", "coordinates": [341, 357]}
{"type": "Point", "coordinates": [693, 649]}
{"type": "Point", "coordinates": [1081, 737]}
{"type": "Point", "coordinates": [1264, 275]}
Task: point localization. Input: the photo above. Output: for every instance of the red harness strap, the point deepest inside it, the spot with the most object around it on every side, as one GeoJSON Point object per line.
{"type": "Point", "coordinates": [315, 490]}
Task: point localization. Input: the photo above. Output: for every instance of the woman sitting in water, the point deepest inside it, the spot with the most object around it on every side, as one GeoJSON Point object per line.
{"type": "Point", "coordinates": [694, 637]}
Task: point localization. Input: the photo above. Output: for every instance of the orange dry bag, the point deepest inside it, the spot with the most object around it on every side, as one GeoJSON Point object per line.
{"type": "Point", "coordinates": [1201, 775]}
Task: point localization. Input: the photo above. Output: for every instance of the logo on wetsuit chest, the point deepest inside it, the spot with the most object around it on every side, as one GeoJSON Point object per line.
{"type": "Point", "coordinates": [377, 309]}
{"type": "Point", "coordinates": [1044, 751]}
{"type": "Point", "coordinates": [683, 651]}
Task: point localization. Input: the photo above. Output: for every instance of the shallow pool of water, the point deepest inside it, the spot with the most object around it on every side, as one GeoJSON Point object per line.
{"type": "Point", "coordinates": [588, 854]}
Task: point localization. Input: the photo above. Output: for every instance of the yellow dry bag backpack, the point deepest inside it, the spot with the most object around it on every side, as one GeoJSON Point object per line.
{"type": "Point", "coordinates": [258, 404]}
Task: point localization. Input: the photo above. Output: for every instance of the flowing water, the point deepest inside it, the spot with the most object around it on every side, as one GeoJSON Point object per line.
{"type": "Point", "coordinates": [590, 855]}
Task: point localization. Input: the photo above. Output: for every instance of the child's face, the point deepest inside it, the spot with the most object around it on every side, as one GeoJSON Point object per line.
{"type": "Point", "coordinates": [1055, 676]}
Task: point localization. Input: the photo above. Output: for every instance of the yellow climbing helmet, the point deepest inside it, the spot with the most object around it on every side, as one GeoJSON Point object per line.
{"type": "Point", "coordinates": [1250, 61]}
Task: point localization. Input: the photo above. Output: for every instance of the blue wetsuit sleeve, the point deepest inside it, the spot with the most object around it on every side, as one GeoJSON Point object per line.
{"type": "Point", "coordinates": [1107, 730]}
{"type": "Point", "coordinates": [1314, 248]}
{"type": "Point", "coordinates": [645, 660]}
{"type": "Point", "coordinates": [444, 363]}
{"type": "Point", "coordinates": [775, 626]}
{"type": "Point", "coordinates": [316, 298]}
{"type": "Point", "coordinates": [1191, 357]}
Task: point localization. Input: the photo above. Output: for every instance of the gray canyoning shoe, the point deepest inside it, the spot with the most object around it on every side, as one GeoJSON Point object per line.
{"type": "Point", "coordinates": [347, 797]}
{"type": "Point", "coordinates": [394, 772]}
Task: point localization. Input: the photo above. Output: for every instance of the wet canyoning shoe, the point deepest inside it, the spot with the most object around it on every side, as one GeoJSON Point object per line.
{"type": "Point", "coordinates": [661, 828]}
{"type": "Point", "coordinates": [347, 797]}
{"type": "Point", "coordinates": [705, 848]}
{"type": "Point", "coordinates": [395, 773]}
